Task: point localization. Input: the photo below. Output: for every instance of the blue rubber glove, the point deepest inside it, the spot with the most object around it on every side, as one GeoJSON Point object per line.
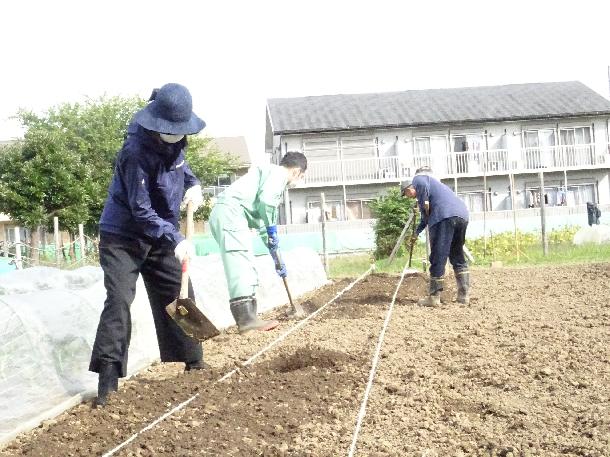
{"type": "Point", "coordinates": [272, 240]}
{"type": "Point", "coordinates": [280, 266]}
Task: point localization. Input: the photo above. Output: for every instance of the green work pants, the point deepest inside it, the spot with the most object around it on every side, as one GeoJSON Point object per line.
{"type": "Point", "coordinates": [230, 230]}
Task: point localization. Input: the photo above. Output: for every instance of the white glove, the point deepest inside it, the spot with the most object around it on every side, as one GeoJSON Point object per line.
{"type": "Point", "coordinates": [184, 249]}
{"type": "Point", "coordinates": [195, 195]}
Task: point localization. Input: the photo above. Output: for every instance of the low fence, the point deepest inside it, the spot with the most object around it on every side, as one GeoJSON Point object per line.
{"type": "Point", "coordinates": [19, 254]}
{"type": "Point", "coordinates": [70, 255]}
{"type": "Point", "coordinates": [342, 237]}
{"type": "Point", "coordinates": [529, 220]}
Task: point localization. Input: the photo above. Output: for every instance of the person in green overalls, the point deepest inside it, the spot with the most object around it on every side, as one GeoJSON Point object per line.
{"type": "Point", "coordinates": [252, 202]}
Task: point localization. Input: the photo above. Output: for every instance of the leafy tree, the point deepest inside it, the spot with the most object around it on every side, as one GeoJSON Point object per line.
{"type": "Point", "coordinates": [90, 133]}
{"type": "Point", "coordinates": [40, 178]}
{"type": "Point", "coordinates": [64, 163]}
{"type": "Point", "coordinates": [392, 212]}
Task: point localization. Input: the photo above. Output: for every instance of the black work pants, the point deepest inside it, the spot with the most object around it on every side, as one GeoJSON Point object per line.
{"type": "Point", "coordinates": [447, 239]}
{"type": "Point", "coordinates": [123, 260]}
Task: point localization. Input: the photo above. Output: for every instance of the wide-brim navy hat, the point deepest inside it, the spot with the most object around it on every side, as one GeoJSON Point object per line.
{"type": "Point", "coordinates": [170, 111]}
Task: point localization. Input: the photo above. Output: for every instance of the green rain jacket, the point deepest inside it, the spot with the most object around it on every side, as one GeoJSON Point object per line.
{"type": "Point", "coordinates": [254, 198]}
{"type": "Point", "coordinates": [251, 202]}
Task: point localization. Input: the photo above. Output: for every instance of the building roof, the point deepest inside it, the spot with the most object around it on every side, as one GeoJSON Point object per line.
{"type": "Point", "coordinates": [235, 145]}
{"type": "Point", "coordinates": [434, 106]}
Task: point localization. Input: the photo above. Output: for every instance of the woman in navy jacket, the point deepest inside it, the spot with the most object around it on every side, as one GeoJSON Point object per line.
{"type": "Point", "coordinates": [139, 234]}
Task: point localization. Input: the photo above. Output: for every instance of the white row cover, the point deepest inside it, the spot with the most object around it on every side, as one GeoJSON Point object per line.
{"type": "Point", "coordinates": [50, 316]}
{"type": "Point", "coordinates": [596, 234]}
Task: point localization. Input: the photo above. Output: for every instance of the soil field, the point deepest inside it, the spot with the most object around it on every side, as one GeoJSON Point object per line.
{"type": "Point", "coordinates": [524, 370]}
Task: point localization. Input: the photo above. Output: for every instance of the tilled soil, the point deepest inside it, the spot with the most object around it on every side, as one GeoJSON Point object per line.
{"type": "Point", "coordinates": [524, 370]}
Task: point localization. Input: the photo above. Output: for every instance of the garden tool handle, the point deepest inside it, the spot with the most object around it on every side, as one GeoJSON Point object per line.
{"type": "Point", "coordinates": [184, 283]}
{"type": "Point", "coordinates": [412, 244]}
{"type": "Point", "coordinates": [296, 307]}
{"type": "Point", "coordinates": [288, 291]}
{"type": "Point", "coordinates": [277, 260]}
{"type": "Point", "coordinates": [401, 238]}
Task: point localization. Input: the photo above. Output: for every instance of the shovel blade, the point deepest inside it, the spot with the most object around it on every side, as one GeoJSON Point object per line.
{"type": "Point", "coordinates": [191, 320]}
{"type": "Point", "coordinates": [295, 314]}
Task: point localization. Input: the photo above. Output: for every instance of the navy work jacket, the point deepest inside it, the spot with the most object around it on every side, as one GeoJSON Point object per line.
{"type": "Point", "coordinates": [148, 185]}
{"type": "Point", "coordinates": [443, 202]}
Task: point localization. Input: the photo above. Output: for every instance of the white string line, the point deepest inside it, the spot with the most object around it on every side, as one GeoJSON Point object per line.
{"type": "Point", "coordinates": [369, 385]}
{"type": "Point", "coordinates": [247, 362]}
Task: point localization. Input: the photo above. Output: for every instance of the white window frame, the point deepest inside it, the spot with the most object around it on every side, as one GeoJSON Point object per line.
{"type": "Point", "coordinates": [539, 156]}
{"type": "Point", "coordinates": [588, 127]}
{"type": "Point", "coordinates": [312, 147]}
{"type": "Point", "coordinates": [338, 204]}
{"type": "Point", "coordinates": [577, 154]}
{"type": "Point", "coordinates": [362, 202]}
{"type": "Point", "coordinates": [479, 193]}
{"type": "Point", "coordinates": [430, 159]}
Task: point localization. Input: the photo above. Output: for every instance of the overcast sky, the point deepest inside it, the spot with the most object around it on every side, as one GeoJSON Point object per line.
{"type": "Point", "coordinates": [234, 55]}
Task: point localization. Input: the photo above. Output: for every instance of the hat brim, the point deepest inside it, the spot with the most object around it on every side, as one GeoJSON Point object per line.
{"type": "Point", "coordinates": [405, 184]}
{"type": "Point", "coordinates": [146, 119]}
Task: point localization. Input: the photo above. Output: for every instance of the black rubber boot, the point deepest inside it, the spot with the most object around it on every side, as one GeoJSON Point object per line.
{"type": "Point", "coordinates": [462, 279]}
{"type": "Point", "coordinates": [108, 381]}
{"type": "Point", "coordinates": [197, 365]}
{"type": "Point", "coordinates": [434, 296]}
{"type": "Point", "coordinates": [244, 310]}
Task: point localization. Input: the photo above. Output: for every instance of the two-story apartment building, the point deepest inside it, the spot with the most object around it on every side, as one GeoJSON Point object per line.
{"type": "Point", "coordinates": [488, 143]}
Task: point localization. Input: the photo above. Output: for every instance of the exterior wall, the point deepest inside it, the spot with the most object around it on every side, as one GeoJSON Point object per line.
{"type": "Point", "coordinates": [604, 189]}
{"type": "Point", "coordinates": [3, 226]}
{"type": "Point", "coordinates": [387, 143]}
{"type": "Point", "coordinates": [300, 198]}
{"type": "Point", "coordinates": [294, 143]}
{"type": "Point", "coordinates": [5, 223]}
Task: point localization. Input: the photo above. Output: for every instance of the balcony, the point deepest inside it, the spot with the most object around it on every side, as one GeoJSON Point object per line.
{"type": "Point", "coordinates": [457, 164]}
{"type": "Point", "coordinates": [526, 160]}
{"type": "Point", "coordinates": [353, 171]}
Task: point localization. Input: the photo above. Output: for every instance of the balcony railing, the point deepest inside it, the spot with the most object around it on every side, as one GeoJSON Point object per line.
{"type": "Point", "coordinates": [370, 169]}
{"type": "Point", "coordinates": [456, 164]}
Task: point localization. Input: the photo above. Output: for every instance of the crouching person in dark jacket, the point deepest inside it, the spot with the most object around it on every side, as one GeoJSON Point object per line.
{"type": "Point", "coordinates": [593, 213]}
{"type": "Point", "coordinates": [139, 234]}
{"type": "Point", "coordinates": [447, 218]}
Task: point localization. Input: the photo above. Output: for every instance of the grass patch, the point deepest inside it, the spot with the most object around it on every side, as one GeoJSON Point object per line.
{"type": "Point", "coordinates": [355, 264]}
{"type": "Point", "coordinates": [557, 254]}
{"type": "Point", "coordinates": [349, 265]}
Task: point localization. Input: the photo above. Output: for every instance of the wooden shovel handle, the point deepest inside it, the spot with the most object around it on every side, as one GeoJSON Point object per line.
{"type": "Point", "coordinates": [298, 309]}
{"type": "Point", "coordinates": [184, 284]}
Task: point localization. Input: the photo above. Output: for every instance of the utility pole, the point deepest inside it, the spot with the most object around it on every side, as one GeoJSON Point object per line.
{"type": "Point", "coordinates": [545, 245]}
{"type": "Point", "coordinates": [323, 220]}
